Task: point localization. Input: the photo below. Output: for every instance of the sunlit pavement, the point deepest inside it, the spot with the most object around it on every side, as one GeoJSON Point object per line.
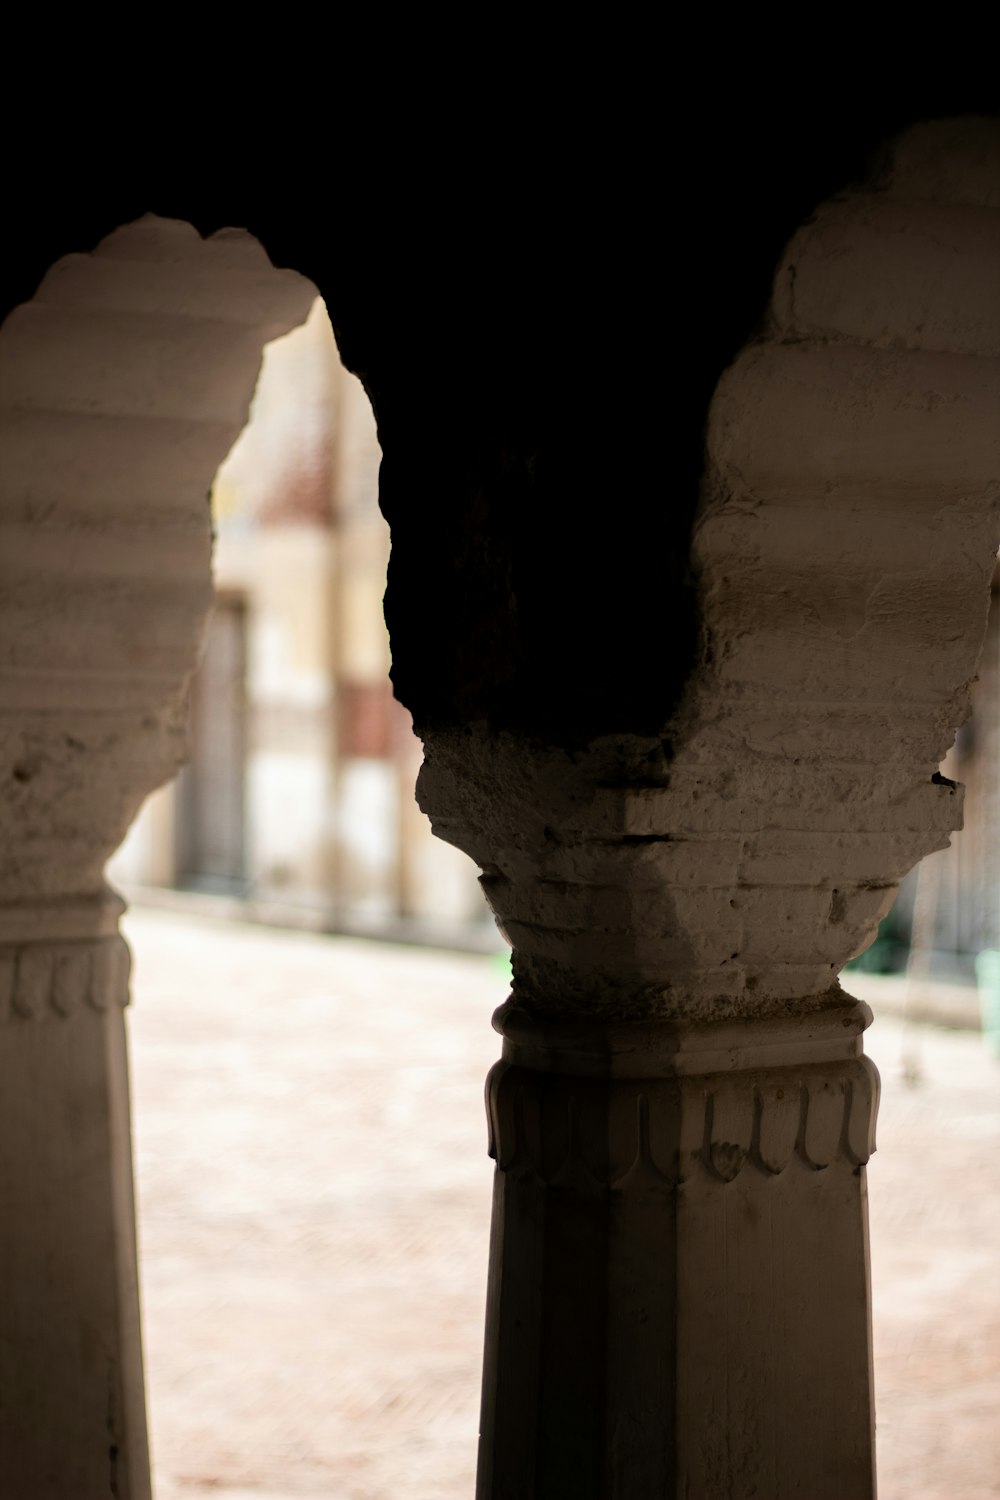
{"type": "Point", "coordinates": [314, 1210]}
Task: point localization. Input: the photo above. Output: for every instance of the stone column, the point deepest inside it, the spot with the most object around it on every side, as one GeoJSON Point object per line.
{"type": "Point", "coordinates": [72, 1420]}
{"type": "Point", "coordinates": [122, 384]}
{"type": "Point", "coordinates": [678, 1294]}
{"type": "Point", "coordinates": [679, 1287]}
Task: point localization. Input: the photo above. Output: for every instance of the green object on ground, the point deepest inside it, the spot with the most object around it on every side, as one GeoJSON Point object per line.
{"type": "Point", "coordinates": [501, 962]}
{"type": "Point", "coordinates": [988, 981]}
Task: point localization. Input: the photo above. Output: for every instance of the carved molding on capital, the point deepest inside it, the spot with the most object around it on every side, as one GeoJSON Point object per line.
{"type": "Point", "coordinates": [670, 1113]}
{"type": "Point", "coordinates": [58, 957]}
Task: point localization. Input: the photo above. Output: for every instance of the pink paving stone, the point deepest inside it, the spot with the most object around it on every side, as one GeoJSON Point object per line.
{"type": "Point", "coordinates": [314, 1215]}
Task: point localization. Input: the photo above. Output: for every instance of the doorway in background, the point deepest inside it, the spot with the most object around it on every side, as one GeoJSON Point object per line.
{"type": "Point", "coordinates": [211, 788]}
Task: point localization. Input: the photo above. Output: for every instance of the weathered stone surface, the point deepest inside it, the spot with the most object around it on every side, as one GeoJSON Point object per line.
{"type": "Point", "coordinates": [843, 548]}
{"type": "Point", "coordinates": [946, 161]}
{"type": "Point", "coordinates": [873, 270]}
{"type": "Point", "coordinates": [122, 384]}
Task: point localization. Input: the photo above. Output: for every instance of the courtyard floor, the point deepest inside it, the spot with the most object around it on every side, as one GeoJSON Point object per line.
{"type": "Point", "coordinates": [314, 1201]}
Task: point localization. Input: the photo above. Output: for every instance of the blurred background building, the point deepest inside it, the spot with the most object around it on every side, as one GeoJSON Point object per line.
{"type": "Point", "coordinates": [298, 801]}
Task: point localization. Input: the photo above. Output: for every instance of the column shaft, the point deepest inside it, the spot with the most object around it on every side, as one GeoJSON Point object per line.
{"type": "Point", "coordinates": [72, 1417]}
{"type": "Point", "coordinates": [678, 1298]}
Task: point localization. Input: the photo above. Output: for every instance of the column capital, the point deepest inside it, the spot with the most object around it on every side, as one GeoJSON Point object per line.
{"type": "Point", "coordinates": [60, 955]}
{"type": "Point", "coordinates": [600, 1104]}
{"type": "Point", "coordinates": [587, 1046]}
{"type": "Point", "coordinates": [634, 879]}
